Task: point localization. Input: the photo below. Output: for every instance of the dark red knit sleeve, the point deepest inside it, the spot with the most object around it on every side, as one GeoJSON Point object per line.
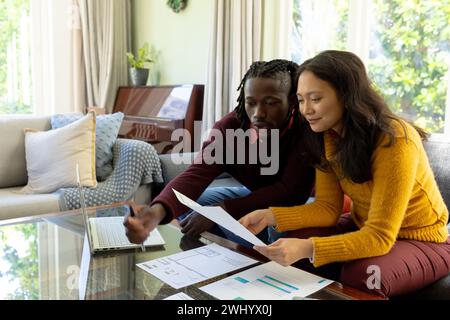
{"type": "Point", "coordinates": [293, 187]}
{"type": "Point", "coordinates": [195, 179]}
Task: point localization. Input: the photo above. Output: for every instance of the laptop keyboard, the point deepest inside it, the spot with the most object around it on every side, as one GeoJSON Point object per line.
{"type": "Point", "coordinates": [111, 232]}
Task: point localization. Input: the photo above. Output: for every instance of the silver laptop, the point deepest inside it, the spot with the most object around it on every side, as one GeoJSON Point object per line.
{"type": "Point", "coordinates": [108, 233]}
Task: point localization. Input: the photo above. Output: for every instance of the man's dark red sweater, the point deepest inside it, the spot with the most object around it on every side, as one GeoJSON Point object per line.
{"type": "Point", "coordinates": [291, 186]}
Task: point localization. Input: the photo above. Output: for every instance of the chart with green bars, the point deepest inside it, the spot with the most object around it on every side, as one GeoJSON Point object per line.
{"type": "Point", "coordinates": [269, 281]}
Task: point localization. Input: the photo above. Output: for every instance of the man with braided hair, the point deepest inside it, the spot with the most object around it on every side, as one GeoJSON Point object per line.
{"type": "Point", "coordinates": [267, 102]}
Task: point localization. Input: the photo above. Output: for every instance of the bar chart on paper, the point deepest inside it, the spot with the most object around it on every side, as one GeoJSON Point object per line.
{"type": "Point", "coordinates": [269, 281]}
{"type": "Point", "coordinates": [268, 284]}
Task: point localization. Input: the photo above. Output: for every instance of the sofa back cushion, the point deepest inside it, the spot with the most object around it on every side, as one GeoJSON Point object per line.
{"type": "Point", "coordinates": [171, 169]}
{"type": "Point", "coordinates": [13, 170]}
{"type": "Point", "coordinates": [439, 156]}
{"type": "Point", "coordinates": [174, 165]}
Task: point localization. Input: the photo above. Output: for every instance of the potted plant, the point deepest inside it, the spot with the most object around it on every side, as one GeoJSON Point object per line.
{"type": "Point", "coordinates": [177, 5]}
{"type": "Point", "coordinates": [138, 71]}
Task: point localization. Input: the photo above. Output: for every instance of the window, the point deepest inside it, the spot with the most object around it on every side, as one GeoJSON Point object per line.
{"type": "Point", "coordinates": [318, 25]}
{"type": "Point", "coordinates": [405, 45]}
{"type": "Point", "coordinates": [15, 66]}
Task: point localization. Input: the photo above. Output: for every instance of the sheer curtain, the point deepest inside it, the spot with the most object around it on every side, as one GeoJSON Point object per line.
{"type": "Point", "coordinates": [242, 32]}
{"type": "Point", "coordinates": [278, 24]}
{"type": "Point", "coordinates": [235, 43]}
{"type": "Point", "coordinates": [52, 34]}
{"type": "Point", "coordinates": [78, 53]}
{"type": "Point", "coordinates": [106, 37]}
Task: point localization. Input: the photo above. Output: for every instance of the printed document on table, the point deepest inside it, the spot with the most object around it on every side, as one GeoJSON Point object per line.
{"type": "Point", "coordinates": [269, 281]}
{"type": "Point", "coordinates": [188, 267]}
{"type": "Point", "coordinates": [221, 217]}
{"type": "Point", "coordinates": [179, 296]}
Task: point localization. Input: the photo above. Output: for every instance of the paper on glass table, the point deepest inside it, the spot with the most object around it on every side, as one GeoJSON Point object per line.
{"type": "Point", "coordinates": [269, 281]}
{"type": "Point", "coordinates": [185, 268]}
{"type": "Point", "coordinates": [179, 296]}
{"type": "Point", "coordinates": [220, 217]}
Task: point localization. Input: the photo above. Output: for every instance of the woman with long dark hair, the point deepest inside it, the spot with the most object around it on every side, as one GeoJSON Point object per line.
{"type": "Point", "coordinates": [395, 240]}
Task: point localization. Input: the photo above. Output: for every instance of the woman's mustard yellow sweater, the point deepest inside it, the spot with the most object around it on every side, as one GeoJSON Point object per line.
{"type": "Point", "coordinates": [402, 201]}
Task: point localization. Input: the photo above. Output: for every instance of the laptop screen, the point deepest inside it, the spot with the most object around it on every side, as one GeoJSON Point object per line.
{"type": "Point", "coordinates": [83, 207]}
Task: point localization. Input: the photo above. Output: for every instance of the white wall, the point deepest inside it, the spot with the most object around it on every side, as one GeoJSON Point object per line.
{"type": "Point", "coordinates": [182, 39]}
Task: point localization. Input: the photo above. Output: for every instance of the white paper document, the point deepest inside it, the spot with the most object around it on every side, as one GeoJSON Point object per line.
{"type": "Point", "coordinates": [188, 267]}
{"type": "Point", "coordinates": [179, 296]}
{"type": "Point", "coordinates": [220, 217]}
{"type": "Point", "coordinates": [269, 281]}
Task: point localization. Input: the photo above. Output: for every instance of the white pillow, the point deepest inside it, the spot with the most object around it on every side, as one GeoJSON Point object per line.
{"type": "Point", "coordinates": [52, 156]}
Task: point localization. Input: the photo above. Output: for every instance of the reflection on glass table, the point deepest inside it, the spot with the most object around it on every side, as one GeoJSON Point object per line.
{"type": "Point", "coordinates": [47, 258]}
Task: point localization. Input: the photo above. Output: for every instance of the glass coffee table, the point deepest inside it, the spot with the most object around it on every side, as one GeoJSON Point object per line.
{"type": "Point", "coordinates": [44, 258]}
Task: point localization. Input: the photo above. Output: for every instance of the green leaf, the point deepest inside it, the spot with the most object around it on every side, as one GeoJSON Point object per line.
{"type": "Point", "coordinates": [145, 56]}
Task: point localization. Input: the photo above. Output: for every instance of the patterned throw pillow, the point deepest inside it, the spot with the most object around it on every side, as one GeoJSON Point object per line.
{"type": "Point", "coordinates": [108, 127]}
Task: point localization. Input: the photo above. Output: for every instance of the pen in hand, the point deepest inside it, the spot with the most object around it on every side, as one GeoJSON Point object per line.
{"type": "Point", "coordinates": [134, 215]}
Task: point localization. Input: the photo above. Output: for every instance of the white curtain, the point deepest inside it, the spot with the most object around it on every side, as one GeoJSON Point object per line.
{"type": "Point", "coordinates": [53, 54]}
{"type": "Point", "coordinates": [278, 24]}
{"type": "Point", "coordinates": [358, 37]}
{"type": "Point", "coordinates": [235, 43]}
{"type": "Point", "coordinates": [106, 37]}
{"type": "Point", "coordinates": [78, 53]}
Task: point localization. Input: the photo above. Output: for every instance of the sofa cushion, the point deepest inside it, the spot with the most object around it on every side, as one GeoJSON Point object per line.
{"type": "Point", "coordinates": [171, 168]}
{"type": "Point", "coordinates": [13, 170]}
{"type": "Point", "coordinates": [15, 205]}
{"type": "Point", "coordinates": [439, 156]}
{"type": "Point", "coordinates": [440, 290]}
{"type": "Point", "coordinates": [174, 165]}
{"type": "Point", "coordinates": [106, 133]}
{"type": "Point", "coordinates": [52, 157]}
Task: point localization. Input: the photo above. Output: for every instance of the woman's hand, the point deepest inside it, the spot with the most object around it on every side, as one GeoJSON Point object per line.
{"type": "Point", "coordinates": [286, 251]}
{"type": "Point", "coordinates": [258, 220]}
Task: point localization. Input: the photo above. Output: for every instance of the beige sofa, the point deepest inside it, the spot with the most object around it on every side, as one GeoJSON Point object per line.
{"type": "Point", "coordinates": [13, 172]}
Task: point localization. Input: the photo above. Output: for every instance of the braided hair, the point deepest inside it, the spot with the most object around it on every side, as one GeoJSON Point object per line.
{"type": "Point", "coordinates": [275, 69]}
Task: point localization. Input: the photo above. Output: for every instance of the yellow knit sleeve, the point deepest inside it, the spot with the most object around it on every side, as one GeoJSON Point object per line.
{"type": "Point", "coordinates": [394, 173]}
{"type": "Point", "coordinates": [323, 212]}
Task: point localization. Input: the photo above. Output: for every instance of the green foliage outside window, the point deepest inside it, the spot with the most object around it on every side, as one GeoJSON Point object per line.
{"type": "Point", "coordinates": [409, 55]}
{"type": "Point", "coordinates": [411, 72]}
{"type": "Point", "coordinates": [11, 12]}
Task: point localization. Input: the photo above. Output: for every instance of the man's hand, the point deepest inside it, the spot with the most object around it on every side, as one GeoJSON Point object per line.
{"type": "Point", "coordinates": [287, 251]}
{"type": "Point", "coordinates": [258, 220]}
{"type": "Point", "coordinates": [194, 224]}
{"type": "Point", "coordinates": [144, 221]}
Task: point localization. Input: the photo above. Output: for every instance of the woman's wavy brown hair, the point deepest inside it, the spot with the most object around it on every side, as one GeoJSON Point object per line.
{"type": "Point", "coordinates": [366, 117]}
